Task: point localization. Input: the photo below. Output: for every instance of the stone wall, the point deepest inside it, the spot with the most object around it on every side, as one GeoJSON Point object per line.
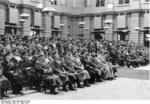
{"type": "Point", "coordinates": [2, 18]}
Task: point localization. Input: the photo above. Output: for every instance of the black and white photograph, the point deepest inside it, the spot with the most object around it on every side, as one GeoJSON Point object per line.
{"type": "Point", "coordinates": [74, 50]}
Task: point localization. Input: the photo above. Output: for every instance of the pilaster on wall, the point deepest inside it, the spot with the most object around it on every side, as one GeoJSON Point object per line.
{"type": "Point", "coordinates": [92, 36]}
{"type": "Point", "coordinates": [2, 18]}
{"type": "Point", "coordinates": [80, 28]}
{"type": "Point", "coordinates": [87, 28]}
{"type": "Point", "coordinates": [141, 34]}
{"type": "Point", "coordinates": [70, 28]}
{"type": "Point", "coordinates": [65, 31]}
{"type": "Point", "coordinates": [134, 34]}
{"type": "Point", "coordinates": [19, 32]}
{"type": "Point", "coordinates": [109, 32]}
{"type": "Point", "coordinates": [47, 23]}
{"type": "Point", "coordinates": [115, 34]}
{"type": "Point", "coordinates": [27, 24]}
{"type": "Point", "coordinates": [141, 37]}
{"type": "Point", "coordinates": [75, 27]}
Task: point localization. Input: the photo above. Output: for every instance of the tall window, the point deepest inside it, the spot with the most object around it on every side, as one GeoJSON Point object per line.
{"type": "Point", "coordinates": [147, 0]}
{"type": "Point", "coordinates": [126, 1]}
{"type": "Point", "coordinates": [100, 3]}
{"type": "Point", "coordinates": [120, 1]}
{"type": "Point", "coordinates": [97, 3]}
{"type": "Point", "coordinates": [53, 2]}
{"type": "Point", "coordinates": [123, 1]}
{"type": "Point", "coordinates": [85, 3]}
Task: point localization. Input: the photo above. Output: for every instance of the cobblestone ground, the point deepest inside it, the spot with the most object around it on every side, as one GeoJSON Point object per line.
{"type": "Point", "coordinates": [130, 84]}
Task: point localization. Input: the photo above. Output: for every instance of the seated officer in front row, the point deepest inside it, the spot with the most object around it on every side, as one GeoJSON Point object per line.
{"type": "Point", "coordinates": [4, 83]}
{"type": "Point", "coordinates": [14, 74]}
{"type": "Point", "coordinates": [46, 74]}
{"type": "Point", "coordinates": [83, 75]}
{"type": "Point", "coordinates": [60, 71]}
{"type": "Point", "coordinates": [91, 67]}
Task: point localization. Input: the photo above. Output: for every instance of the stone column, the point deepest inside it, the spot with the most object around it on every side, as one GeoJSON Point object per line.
{"type": "Point", "coordinates": [109, 32]}
{"type": "Point", "coordinates": [80, 28]}
{"type": "Point", "coordinates": [2, 18]}
{"type": "Point", "coordinates": [92, 36]}
{"type": "Point", "coordinates": [134, 34]}
{"type": "Point", "coordinates": [75, 27]}
{"type": "Point", "coordinates": [141, 34]}
{"type": "Point", "coordinates": [65, 30]}
{"type": "Point", "coordinates": [115, 34]}
{"type": "Point", "coordinates": [87, 28]}
{"type": "Point", "coordinates": [47, 23]}
{"type": "Point", "coordinates": [27, 24]}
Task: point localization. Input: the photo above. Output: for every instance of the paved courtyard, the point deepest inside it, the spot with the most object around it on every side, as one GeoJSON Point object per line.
{"type": "Point", "coordinates": [121, 88]}
{"type": "Point", "coordinates": [130, 84]}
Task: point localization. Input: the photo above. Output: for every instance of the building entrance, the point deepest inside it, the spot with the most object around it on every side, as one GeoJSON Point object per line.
{"type": "Point", "coordinates": [10, 30]}
{"type": "Point", "coordinates": [146, 38]}
{"type": "Point", "coordinates": [99, 35]}
{"type": "Point", "coordinates": [122, 36]}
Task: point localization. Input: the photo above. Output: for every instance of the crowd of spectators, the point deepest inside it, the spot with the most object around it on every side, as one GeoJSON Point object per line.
{"type": "Point", "coordinates": [47, 63]}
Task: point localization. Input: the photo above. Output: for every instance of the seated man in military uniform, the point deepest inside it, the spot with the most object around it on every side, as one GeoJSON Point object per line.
{"type": "Point", "coordinates": [46, 74]}
{"type": "Point", "coordinates": [83, 74]}
{"type": "Point", "coordinates": [4, 83]}
{"type": "Point", "coordinates": [69, 66]}
{"type": "Point", "coordinates": [59, 70]}
{"type": "Point", "coordinates": [91, 67]}
{"type": "Point", "coordinates": [14, 74]}
{"type": "Point", "coordinates": [70, 72]}
{"type": "Point", "coordinates": [109, 72]}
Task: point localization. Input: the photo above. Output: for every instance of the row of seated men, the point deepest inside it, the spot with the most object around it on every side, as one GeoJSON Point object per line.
{"type": "Point", "coordinates": [127, 54]}
{"type": "Point", "coordinates": [47, 67]}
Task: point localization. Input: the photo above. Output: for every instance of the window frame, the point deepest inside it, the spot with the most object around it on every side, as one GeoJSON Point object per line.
{"type": "Point", "coordinates": [122, 2]}
{"type": "Point", "coordinates": [147, 1]}
{"type": "Point", "coordinates": [100, 3]}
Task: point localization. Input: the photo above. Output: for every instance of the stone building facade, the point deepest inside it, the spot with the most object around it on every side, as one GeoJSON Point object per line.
{"type": "Point", "coordinates": [109, 19]}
